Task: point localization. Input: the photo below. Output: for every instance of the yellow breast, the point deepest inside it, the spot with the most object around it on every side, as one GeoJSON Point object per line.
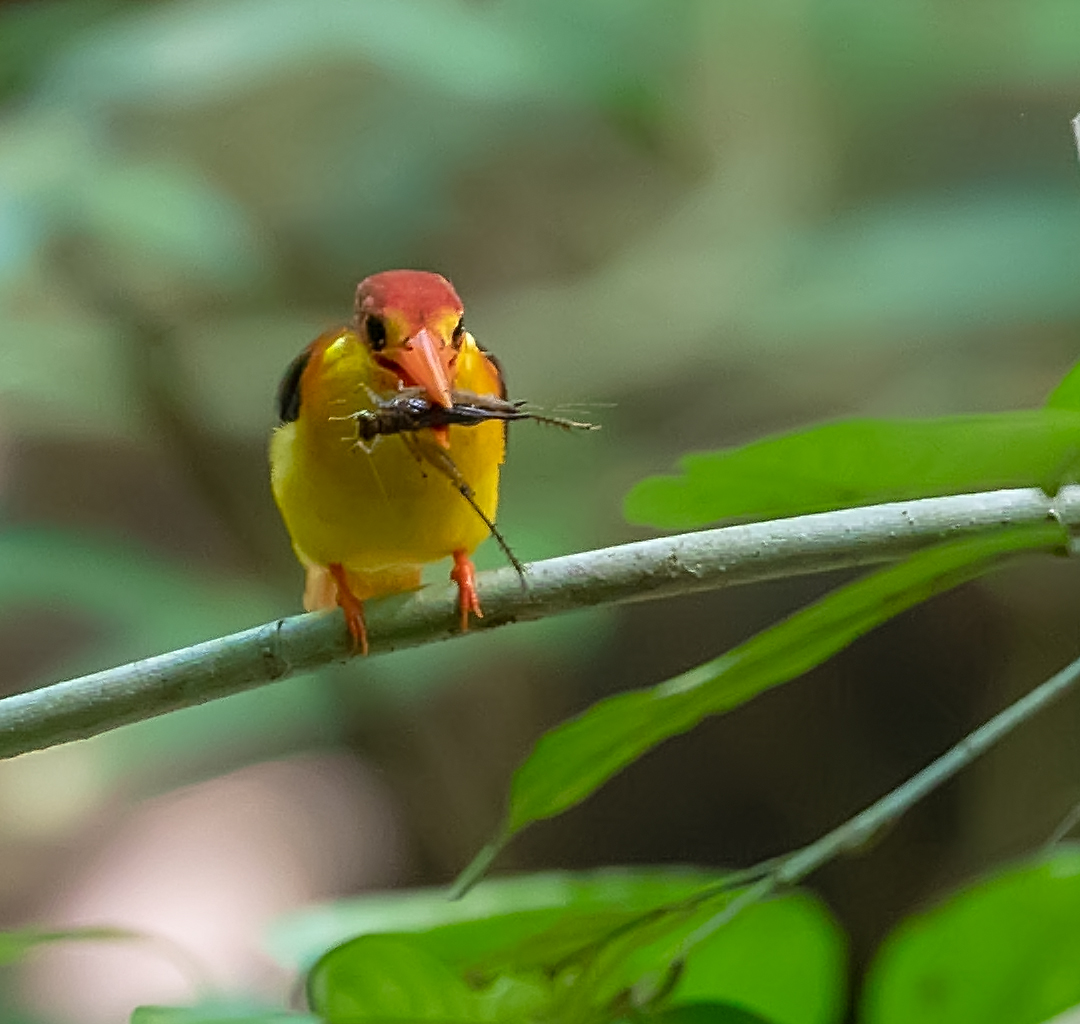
{"type": "Point", "coordinates": [379, 510]}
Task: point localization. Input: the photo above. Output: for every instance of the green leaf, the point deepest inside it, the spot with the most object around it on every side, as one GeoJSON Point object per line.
{"type": "Point", "coordinates": [862, 462]}
{"type": "Point", "coordinates": [639, 956]}
{"type": "Point", "coordinates": [540, 917]}
{"type": "Point", "coordinates": [747, 961]}
{"type": "Point", "coordinates": [392, 978]}
{"type": "Point", "coordinates": [1001, 951]}
{"type": "Point", "coordinates": [1067, 394]}
{"type": "Point", "coordinates": [785, 959]}
{"type": "Point", "coordinates": [575, 758]}
{"type": "Point", "coordinates": [14, 945]}
{"type": "Point", "coordinates": [575, 943]}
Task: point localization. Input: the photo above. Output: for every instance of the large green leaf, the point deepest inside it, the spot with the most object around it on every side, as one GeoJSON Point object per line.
{"type": "Point", "coordinates": [575, 758]}
{"type": "Point", "coordinates": [1002, 951]}
{"type": "Point", "coordinates": [576, 942]}
{"type": "Point", "coordinates": [382, 978]}
{"type": "Point", "coordinates": [862, 462]}
{"type": "Point", "coordinates": [785, 959]}
{"type": "Point", "coordinates": [636, 957]}
{"type": "Point", "coordinates": [496, 955]}
{"type": "Point", "coordinates": [498, 915]}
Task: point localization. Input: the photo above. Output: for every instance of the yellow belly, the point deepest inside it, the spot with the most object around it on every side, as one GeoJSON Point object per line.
{"type": "Point", "coordinates": [380, 510]}
{"type": "Point", "coordinates": [382, 513]}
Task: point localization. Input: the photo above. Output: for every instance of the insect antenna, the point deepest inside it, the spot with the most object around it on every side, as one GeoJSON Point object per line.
{"type": "Point", "coordinates": [561, 422]}
{"type": "Point", "coordinates": [441, 460]}
{"type": "Point", "coordinates": [467, 493]}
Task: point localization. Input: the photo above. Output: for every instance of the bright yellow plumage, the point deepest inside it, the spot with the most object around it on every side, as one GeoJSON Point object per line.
{"type": "Point", "coordinates": [364, 519]}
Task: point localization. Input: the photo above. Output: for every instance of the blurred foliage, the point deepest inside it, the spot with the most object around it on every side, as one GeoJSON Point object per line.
{"type": "Point", "coordinates": [723, 217]}
{"type": "Point", "coordinates": [16, 945]}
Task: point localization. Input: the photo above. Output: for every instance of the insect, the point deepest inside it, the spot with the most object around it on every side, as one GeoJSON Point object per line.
{"type": "Point", "coordinates": [364, 521]}
{"type": "Point", "coordinates": [411, 410]}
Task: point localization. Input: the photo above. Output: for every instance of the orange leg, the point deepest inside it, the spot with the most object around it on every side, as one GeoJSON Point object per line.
{"type": "Point", "coordinates": [464, 575]}
{"type": "Point", "coordinates": [353, 608]}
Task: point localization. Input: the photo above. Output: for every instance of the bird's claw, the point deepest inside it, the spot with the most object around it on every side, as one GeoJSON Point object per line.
{"type": "Point", "coordinates": [464, 575]}
{"type": "Point", "coordinates": [353, 608]}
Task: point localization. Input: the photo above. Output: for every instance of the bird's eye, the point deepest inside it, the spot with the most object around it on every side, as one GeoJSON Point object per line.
{"type": "Point", "coordinates": [459, 333]}
{"type": "Point", "coordinates": [376, 333]}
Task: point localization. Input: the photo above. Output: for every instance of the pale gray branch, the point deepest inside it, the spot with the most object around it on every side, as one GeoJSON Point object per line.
{"type": "Point", "coordinates": [664, 567]}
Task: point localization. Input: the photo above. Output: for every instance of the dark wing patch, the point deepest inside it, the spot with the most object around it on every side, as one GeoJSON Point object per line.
{"type": "Point", "coordinates": [498, 371]}
{"type": "Point", "coordinates": [503, 394]}
{"type": "Point", "coordinates": [288, 395]}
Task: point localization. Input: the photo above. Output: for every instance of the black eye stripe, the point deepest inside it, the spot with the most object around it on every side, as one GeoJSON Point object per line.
{"type": "Point", "coordinates": [288, 396]}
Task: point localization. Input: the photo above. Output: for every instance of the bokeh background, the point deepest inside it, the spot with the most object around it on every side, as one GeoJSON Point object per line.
{"type": "Point", "coordinates": [697, 221]}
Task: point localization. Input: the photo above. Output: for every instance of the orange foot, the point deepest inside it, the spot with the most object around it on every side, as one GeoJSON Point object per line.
{"type": "Point", "coordinates": [353, 608]}
{"type": "Point", "coordinates": [464, 575]}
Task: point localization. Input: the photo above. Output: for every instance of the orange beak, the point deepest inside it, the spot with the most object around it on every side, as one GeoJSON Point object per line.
{"type": "Point", "coordinates": [425, 361]}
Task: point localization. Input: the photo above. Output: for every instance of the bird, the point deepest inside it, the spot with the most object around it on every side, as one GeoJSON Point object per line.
{"type": "Point", "coordinates": [365, 518]}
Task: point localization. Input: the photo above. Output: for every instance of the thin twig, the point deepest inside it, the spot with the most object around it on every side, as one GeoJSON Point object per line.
{"type": "Point", "coordinates": [856, 832]}
{"type": "Point", "coordinates": [1068, 823]}
{"type": "Point", "coordinates": [664, 567]}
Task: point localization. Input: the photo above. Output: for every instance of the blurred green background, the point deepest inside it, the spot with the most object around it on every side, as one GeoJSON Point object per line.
{"type": "Point", "coordinates": [695, 221]}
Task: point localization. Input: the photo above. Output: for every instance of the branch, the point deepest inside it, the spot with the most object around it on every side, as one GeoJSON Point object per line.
{"type": "Point", "coordinates": [664, 567]}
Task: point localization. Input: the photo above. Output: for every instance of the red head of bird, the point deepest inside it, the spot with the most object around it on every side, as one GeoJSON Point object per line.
{"type": "Point", "coordinates": [412, 321]}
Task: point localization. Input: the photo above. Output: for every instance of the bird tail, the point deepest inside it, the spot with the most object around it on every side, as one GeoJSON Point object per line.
{"type": "Point", "coordinates": [320, 591]}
